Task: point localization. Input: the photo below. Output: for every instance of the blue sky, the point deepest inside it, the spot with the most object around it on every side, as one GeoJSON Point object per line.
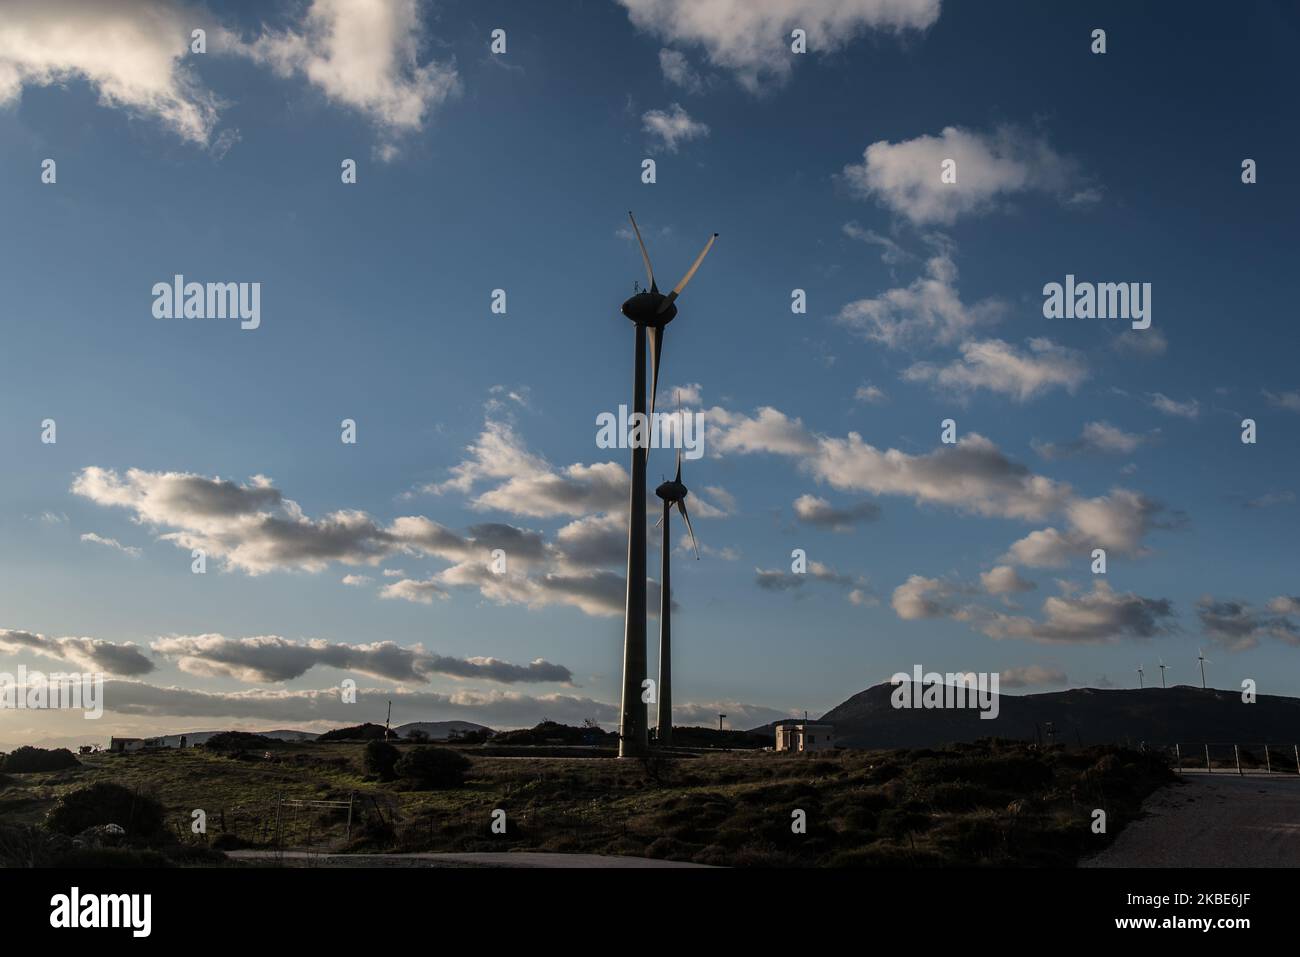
{"type": "Point", "coordinates": [479, 171]}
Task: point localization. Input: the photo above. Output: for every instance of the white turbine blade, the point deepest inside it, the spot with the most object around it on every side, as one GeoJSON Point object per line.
{"type": "Point", "coordinates": [690, 273]}
{"type": "Point", "coordinates": [645, 256]}
{"type": "Point", "coordinates": [681, 507]}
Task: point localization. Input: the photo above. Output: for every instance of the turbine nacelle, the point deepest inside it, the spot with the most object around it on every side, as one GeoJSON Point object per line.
{"type": "Point", "coordinates": [671, 491]}
{"type": "Point", "coordinates": [647, 309]}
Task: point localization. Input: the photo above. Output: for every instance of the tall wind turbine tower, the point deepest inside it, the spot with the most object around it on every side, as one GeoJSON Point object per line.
{"type": "Point", "coordinates": [673, 493]}
{"type": "Point", "coordinates": [1139, 676]}
{"type": "Point", "coordinates": [1163, 666]}
{"type": "Point", "coordinates": [1200, 656]}
{"type": "Point", "coordinates": [650, 310]}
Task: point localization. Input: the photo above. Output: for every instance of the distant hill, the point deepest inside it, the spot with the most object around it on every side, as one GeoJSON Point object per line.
{"type": "Point", "coordinates": [438, 730]}
{"type": "Point", "coordinates": [1156, 716]}
{"type": "Point", "coordinates": [201, 737]}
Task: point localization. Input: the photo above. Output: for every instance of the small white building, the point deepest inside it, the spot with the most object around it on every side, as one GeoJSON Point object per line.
{"type": "Point", "coordinates": [804, 736]}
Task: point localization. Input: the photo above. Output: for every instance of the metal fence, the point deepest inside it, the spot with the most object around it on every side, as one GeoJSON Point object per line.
{"type": "Point", "coordinates": [1236, 758]}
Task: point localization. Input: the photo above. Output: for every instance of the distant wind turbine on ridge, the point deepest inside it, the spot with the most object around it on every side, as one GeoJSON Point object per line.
{"type": "Point", "coordinates": [673, 493]}
{"type": "Point", "coordinates": [1163, 666]}
{"type": "Point", "coordinates": [651, 311]}
{"type": "Point", "coordinates": [1139, 676]}
{"type": "Point", "coordinates": [1200, 656]}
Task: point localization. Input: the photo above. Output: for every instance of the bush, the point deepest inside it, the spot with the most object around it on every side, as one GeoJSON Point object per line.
{"type": "Point", "coordinates": [38, 759]}
{"type": "Point", "coordinates": [240, 741]}
{"type": "Point", "coordinates": [359, 732]}
{"type": "Point", "coordinates": [432, 768]}
{"type": "Point", "coordinates": [107, 803]}
{"type": "Point", "coordinates": [380, 759]}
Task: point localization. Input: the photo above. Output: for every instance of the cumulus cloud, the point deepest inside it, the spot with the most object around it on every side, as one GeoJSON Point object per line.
{"type": "Point", "coordinates": [920, 597]}
{"type": "Point", "coordinates": [672, 126]}
{"type": "Point", "coordinates": [255, 529]}
{"type": "Point", "coordinates": [1004, 580]}
{"type": "Point", "coordinates": [1118, 522]}
{"type": "Point", "coordinates": [88, 654]}
{"type": "Point", "coordinates": [870, 393]}
{"type": "Point", "coordinates": [364, 55]}
{"type": "Point", "coordinates": [780, 580]}
{"type": "Point", "coordinates": [271, 658]}
{"type": "Point", "coordinates": [1102, 615]}
{"type": "Point", "coordinates": [751, 38]}
{"type": "Point", "coordinates": [1237, 626]}
{"type": "Point", "coordinates": [526, 484]}
{"type": "Point", "coordinates": [815, 511]}
{"type": "Point", "coordinates": [891, 252]}
{"type": "Point", "coordinates": [991, 168]}
{"type": "Point", "coordinates": [927, 311]}
{"type": "Point", "coordinates": [131, 52]}
{"type": "Point", "coordinates": [1097, 438]}
{"type": "Point", "coordinates": [1001, 367]}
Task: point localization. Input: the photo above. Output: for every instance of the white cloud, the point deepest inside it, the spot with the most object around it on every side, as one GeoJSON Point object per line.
{"type": "Point", "coordinates": [991, 167]}
{"type": "Point", "coordinates": [999, 366]}
{"type": "Point", "coordinates": [1190, 409]}
{"type": "Point", "coordinates": [363, 54]}
{"type": "Point", "coordinates": [1118, 522]}
{"type": "Point", "coordinates": [870, 393]}
{"type": "Point", "coordinates": [111, 543]}
{"type": "Point", "coordinates": [88, 654]}
{"type": "Point", "coordinates": [677, 70]}
{"type": "Point", "coordinates": [271, 658]}
{"type": "Point", "coordinates": [812, 510]}
{"type": "Point", "coordinates": [357, 581]}
{"type": "Point", "coordinates": [1237, 626]}
{"type": "Point", "coordinates": [131, 52]}
{"type": "Point", "coordinates": [672, 127]}
{"type": "Point", "coordinates": [928, 311]}
{"type": "Point", "coordinates": [1102, 615]}
{"type": "Point", "coordinates": [1097, 438]}
{"type": "Point", "coordinates": [1004, 580]}
{"type": "Point", "coordinates": [1142, 343]}
{"type": "Point", "coordinates": [751, 38]}
{"type": "Point", "coordinates": [1284, 400]}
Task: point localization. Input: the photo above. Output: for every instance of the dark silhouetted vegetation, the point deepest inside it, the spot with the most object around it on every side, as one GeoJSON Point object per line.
{"type": "Point", "coordinates": [358, 732]}
{"type": "Point", "coordinates": [25, 760]}
{"type": "Point", "coordinates": [107, 803]}
{"type": "Point", "coordinates": [380, 759]}
{"type": "Point", "coordinates": [430, 769]}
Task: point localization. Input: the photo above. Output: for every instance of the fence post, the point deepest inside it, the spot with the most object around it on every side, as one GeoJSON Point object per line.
{"type": "Point", "coordinates": [1268, 762]}
{"type": "Point", "coordinates": [351, 795]}
{"type": "Point", "coordinates": [1297, 757]}
{"type": "Point", "coordinates": [1178, 751]}
{"type": "Point", "coordinates": [1209, 769]}
{"type": "Point", "coordinates": [1237, 754]}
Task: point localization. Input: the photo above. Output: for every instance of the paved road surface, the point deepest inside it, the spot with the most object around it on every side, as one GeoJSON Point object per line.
{"type": "Point", "coordinates": [1213, 820]}
{"type": "Point", "coordinates": [484, 859]}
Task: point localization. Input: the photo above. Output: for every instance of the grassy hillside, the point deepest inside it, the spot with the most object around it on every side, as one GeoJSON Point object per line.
{"type": "Point", "coordinates": [974, 804]}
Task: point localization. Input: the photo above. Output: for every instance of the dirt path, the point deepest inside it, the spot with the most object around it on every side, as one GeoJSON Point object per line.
{"type": "Point", "coordinates": [478, 859]}
{"type": "Point", "coordinates": [1213, 820]}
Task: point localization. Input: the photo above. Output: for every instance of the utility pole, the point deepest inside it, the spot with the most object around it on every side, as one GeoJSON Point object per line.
{"type": "Point", "coordinates": [720, 717]}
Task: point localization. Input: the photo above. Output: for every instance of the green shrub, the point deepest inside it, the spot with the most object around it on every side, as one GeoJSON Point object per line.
{"type": "Point", "coordinates": [429, 769]}
{"type": "Point", "coordinates": [26, 759]}
{"type": "Point", "coordinates": [106, 803]}
{"type": "Point", "coordinates": [381, 758]}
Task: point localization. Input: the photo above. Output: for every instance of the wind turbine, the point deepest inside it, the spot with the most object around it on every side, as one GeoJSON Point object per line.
{"type": "Point", "coordinates": [649, 310]}
{"type": "Point", "coordinates": [1139, 676]}
{"type": "Point", "coordinates": [673, 493]}
{"type": "Point", "coordinates": [1163, 666]}
{"type": "Point", "coordinates": [1200, 656]}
